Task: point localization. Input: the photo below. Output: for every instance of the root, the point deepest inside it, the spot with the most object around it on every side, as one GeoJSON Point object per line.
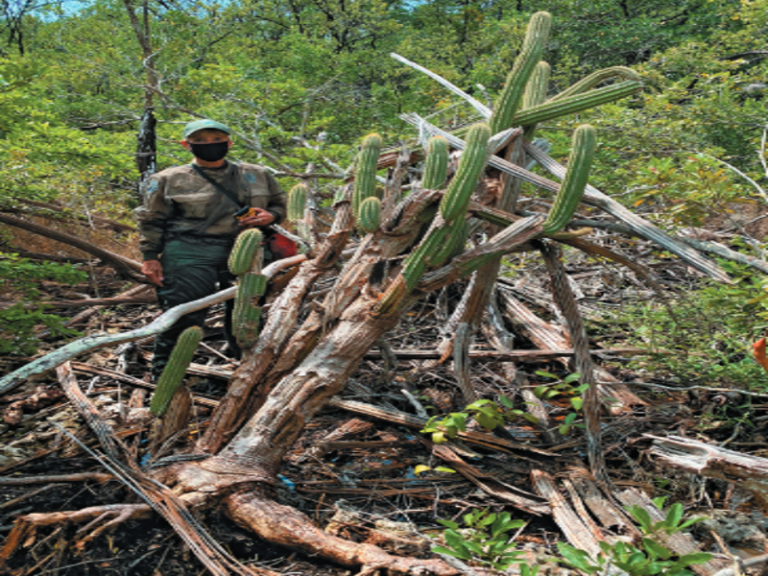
{"type": "Point", "coordinates": [26, 526]}
{"type": "Point", "coordinates": [286, 526]}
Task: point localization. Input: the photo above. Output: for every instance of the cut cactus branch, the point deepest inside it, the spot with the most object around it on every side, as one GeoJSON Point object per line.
{"type": "Point", "coordinates": [369, 218]}
{"type": "Point", "coordinates": [246, 252]}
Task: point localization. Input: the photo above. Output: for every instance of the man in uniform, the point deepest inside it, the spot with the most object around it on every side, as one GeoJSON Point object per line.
{"type": "Point", "coordinates": [188, 226]}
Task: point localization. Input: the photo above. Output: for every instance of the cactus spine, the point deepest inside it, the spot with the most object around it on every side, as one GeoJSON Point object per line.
{"type": "Point", "coordinates": [246, 251]}
{"type": "Point", "coordinates": [369, 218]}
{"type": "Point", "coordinates": [365, 176]}
{"type": "Point", "coordinates": [297, 200]}
{"type": "Point", "coordinates": [596, 78]}
{"type": "Point", "coordinates": [572, 188]}
{"type": "Point", "coordinates": [471, 164]}
{"type": "Point", "coordinates": [533, 47]}
{"type": "Point", "coordinates": [436, 164]}
{"type": "Point", "coordinates": [572, 104]}
{"type": "Point", "coordinates": [246, 315]}
{"type": "Point", "coordinates": [173, 374]}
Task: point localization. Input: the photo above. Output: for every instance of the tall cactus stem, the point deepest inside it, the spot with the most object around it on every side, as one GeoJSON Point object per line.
{"type": "Point", "coordinates": [471, 164]}
{"type": "Point", "coordinates": [174, 371]}
{"type": "Point", "coordinates": [297, 200]}
{"type": "Point", "coordinates": [365, 172]}
{"type": "Point", "coordinates": [423, 256]}
{"type": "Point", "coordinates": [436, 164]}
{"type": "Point", "coordinates": [572, 187]}
{"type": "Point", "coordinates": [246, 252]}
{"type": "Point", "coordinates": [246, 314]}
{"type": "Point", "coordinates": [533, 47]}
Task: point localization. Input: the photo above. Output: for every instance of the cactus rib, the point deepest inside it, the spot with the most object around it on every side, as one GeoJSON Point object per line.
{"type": "Point", "coordinates": [577, 103]}
{"type": "Point", "coordinates": [471, 164]}
{"type": "Point", "coordinates": [572, 188]}
{"type": "Point", "coordinates": [247, 249]}
{"type": "Point", "coordinates": [174, 372]}
{"type": "Point", "coordinates": [436, 164]}
{"type": "Point", "coordinates": [365, 173]}
{"type": "Point", "coordinates": [533, 47]}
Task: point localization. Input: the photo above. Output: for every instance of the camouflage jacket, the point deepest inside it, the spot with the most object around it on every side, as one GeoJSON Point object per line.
{"type": "Point", "coordinates": [179, 203]}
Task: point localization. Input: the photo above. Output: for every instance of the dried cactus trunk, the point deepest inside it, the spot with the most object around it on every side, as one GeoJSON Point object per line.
{"type": "Point", "coordinates": [533, 47]}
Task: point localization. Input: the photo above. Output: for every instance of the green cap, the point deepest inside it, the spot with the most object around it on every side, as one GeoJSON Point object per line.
{"type": "Point", "coordinates": [206, 124]}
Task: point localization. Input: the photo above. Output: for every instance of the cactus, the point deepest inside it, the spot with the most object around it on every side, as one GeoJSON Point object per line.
{"type": "Point", "coordinates": [436, 164]}
{"type": "Point", "coordinates": [246, 315]}
{"type": "Point", "coordinates": [536, 93]}
{"type": "Point", "coordinates": [422, 256]}
{"type": "Point", "coordinates": [369, 217]}
{"type": "Point", "coordinates": [171, 378]}
{"type": "Point", "coordinates": [454, 242]}
{"type": "Point", "coordinates": [378, 192]}
{"type": "Point", "coordinates": [471, 164]}
{"type": "Point", "coordinates": [533, 47]}
{"type": "Point", "coordinates": [572, 104]}
{"type": "Point", "coordinates": [247, 249]}
{"type": "Point", "coordinates": [536, 90]}
{"type": "Point", "coordinates": [572, 187]}
{"type": "Point", "coordinates": [596, 78]}
{"type": "Point", "coordinates": [297, 200]}
{"type": "Point", "coordinates": [365, 174]}
{"type": "Point", "coordinates": [393, 297]}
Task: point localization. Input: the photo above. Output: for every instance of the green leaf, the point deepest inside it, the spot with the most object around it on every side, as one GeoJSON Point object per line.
{"type": "Point", "coordinates": [643, 518]}
{"type": "Point", "coordinates": [505, 401]}
{"type": "Point", "coordinates": [656, 549]}
{"type": "Point", "coordinates": [546, 374]}
{"type": "Point", "coordinates": [577, 403]}
{"type": "Point", "coordinates": [448, 523]}
{"type": "Point", "coordinates": [572, 378]}
{"type": "Point", "coordinates": [674, 515]}
{"type": "Point", "coordinates": [456, 554]}
{"type": "Point", "coordinates": [445, 469]}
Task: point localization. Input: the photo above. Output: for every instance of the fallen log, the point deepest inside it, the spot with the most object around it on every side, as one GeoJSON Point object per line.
{"type": "Point", "coordinates": [750, 472]}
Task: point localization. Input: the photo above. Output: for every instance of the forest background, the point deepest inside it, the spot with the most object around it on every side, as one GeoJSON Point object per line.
{"type": "Point", "coordinates": [301, 81]}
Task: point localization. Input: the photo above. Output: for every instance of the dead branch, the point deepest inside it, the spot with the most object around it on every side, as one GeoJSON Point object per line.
{"type": "Point", "coordinates": [130, 268]}
{"type": "Point", "coordinates": [95, 341]}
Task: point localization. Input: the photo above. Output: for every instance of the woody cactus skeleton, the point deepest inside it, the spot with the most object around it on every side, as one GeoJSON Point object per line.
{"type": "Point", "coordinates": [291, 370]}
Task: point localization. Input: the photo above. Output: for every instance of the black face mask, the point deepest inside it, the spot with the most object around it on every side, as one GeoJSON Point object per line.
{"type": "Point", "coordinates": [210, 152]}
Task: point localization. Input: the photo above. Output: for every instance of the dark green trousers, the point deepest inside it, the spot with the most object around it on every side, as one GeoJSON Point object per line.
{"type": "Point", "coordinates": [191, 271]}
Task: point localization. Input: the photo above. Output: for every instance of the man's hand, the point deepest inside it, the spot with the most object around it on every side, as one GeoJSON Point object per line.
{"type": "Point", "coordinates": [260, 218]}
{"type": "Point", "coordinates": [153, 270]}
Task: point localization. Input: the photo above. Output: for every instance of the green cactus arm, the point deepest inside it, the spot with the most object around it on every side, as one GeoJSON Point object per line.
{"type": "Point", "coordinates": [297, 200]}
{"type": "Point", "coordinates": [369, 218]}
{"type": "Point", "coordinates": [621, 72]}
{"type": "Point", "coordinates": [533, 47]}
{"type": "Point", "coordinates": [246, 252]}
{"type": "Point", "coordinates": [436, 164]}
{"type": "Point", "coordinates": [471, 164]}
{"type": "Point", "coordinates": [550, 110]}
{"type": "Point", "coordinates": [365, 173]}
{"type": "Point", "coordinates": [536, 93]}
{"type": "Point", "coordinates": [572, 188]}
{"type": "Point", "coordinates": [422, 256]}
{"type": "Point", "coordinates": [174, 372]}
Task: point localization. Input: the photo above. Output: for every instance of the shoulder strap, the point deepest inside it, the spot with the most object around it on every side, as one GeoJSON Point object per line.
{"type": "Point", "coordinates": [228, 193]}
